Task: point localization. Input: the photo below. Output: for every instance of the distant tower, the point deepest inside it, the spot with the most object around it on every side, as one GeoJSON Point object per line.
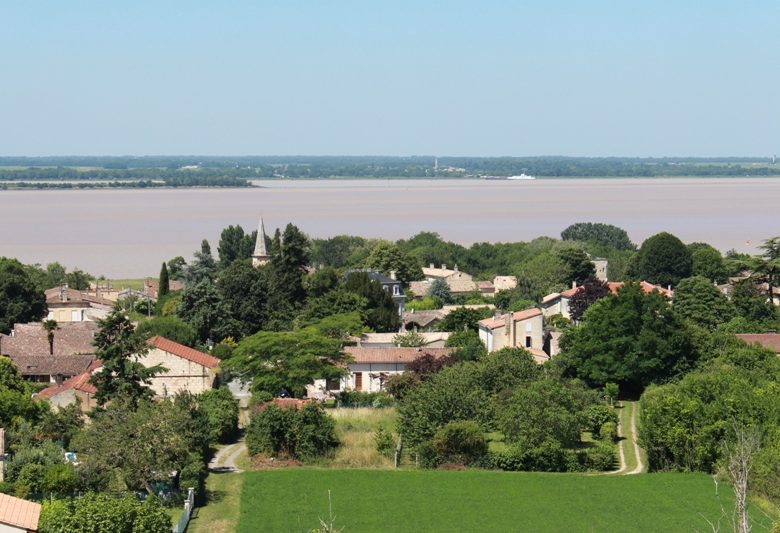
{"type": "Point", "coordinates": [435, 164]}
{"type": "Point", "coordinates": [260, 255]}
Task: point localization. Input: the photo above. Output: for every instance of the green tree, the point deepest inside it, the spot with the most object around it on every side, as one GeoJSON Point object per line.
{"type": "Point", "coordinates": [170, 327]}
{"type": "Point", "coordinates": [306, 433]}
{"type": "Point", "coordinates": [164, 284]}
{"type": "Point", "coordinates": [463, 318]}
{"type": "Point", "coordinates": [51, 327]}
{"type": "Point", "coordinates": [15, 398]}
{"type": "Point", "coordinates": [244, 292]}
{"type": "Point", "coordinates": [707, 262]}
{"type": "Point", "coordinates": [468, 345]}
{"type": "Point", "coordinates": [386, 257]}
{"type": "Point", "coordinates": [235, 244]}
{"type": "Point", "coordinates": [441, 291]}
{"type": "Point", "coordinates": [20, 300]}
{"type": "Point", "coordinates": [336, 302]}
{"type": "Point", "coordinates": [78, 280]}
{"type": "Point", "coordinates": [578, 264]}
{"type": "Point", "coordinates": [143, 444]}
{"type": "Point", "coordinates": [603, 234]}
{"type": "Point", "coordinates": [286, 361]}
{"type": "Point", "coordinates": [410, 339]}
{"type": "Point", "coordinates": [203, 308]}
{"type": "Point", "coordinates": [751, 304]}
{"type": "Point", "coordinates": [290, 255]}
{"type": "Point", "coordinates": [221, 412]}
{"type": "Point", "coordinates": [699, 301]}
{"type": "Point", "coordinates": [177, 268]}
{"type": "Point", "coordinates": [121, 377]}
{"type": "Point", "coordinates": [633, 339]}
{"type": "Point", "coordinates": [56, 273]}
{"type": "Point", "coordinates": [380, 313]}
{"type": "Point", "coordinates": [203, 267]}
{"type": "Point", "coordinates": [541, 275]}
{"type": "Point", "coordinates": [663, 260]}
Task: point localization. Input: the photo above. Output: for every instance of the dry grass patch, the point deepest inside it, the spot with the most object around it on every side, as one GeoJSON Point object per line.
{"type": "Point", "coordinates": [356, 428]}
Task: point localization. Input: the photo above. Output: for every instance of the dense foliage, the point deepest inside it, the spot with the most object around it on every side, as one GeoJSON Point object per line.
{"type": "Point", "coordinates": [101, 513]}
{"type": "Point", "coordinates": [663, 260]}
{"type": "Point", "coordinates": [305, 434]}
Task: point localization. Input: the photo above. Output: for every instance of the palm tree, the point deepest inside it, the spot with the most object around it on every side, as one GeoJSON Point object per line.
{"type": "Point", "coordinates": [50, 326]}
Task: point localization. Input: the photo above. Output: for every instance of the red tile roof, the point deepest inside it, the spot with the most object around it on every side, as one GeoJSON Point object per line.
{"type": "Point", "coordinates": [392, 355]}
{"type": "Point", "coordinates": [767, 340]}
{"type": "Point", "coordinates": [19, 513]}
{"type": "Point", "coordinates": [613, 288]}
{"type": "Point", "coordinates": [185, 352]}
{"type": "Point", "coordinates": [79, 382]}
{"type": "Point", "coordinates": [500, 321]}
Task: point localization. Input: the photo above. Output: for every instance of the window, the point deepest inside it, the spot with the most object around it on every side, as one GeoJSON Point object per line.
{"type": "Point", "coordinates": [396, 292]}
{"type": "Point", "coordinates": [528, 341]}
{"type": "Point", "coordinates": [358, 380]}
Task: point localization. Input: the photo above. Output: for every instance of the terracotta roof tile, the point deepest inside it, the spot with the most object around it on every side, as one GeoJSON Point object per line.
{"type": "Point", "coordinates": [19, 513]}
{"type": "Point", "coordinates": [500, 321]}
{"type": "Point", "coordinates": [48, 365]}
{"type": "Point", "coordinates": [767, 340]}
{"type": "Point", "coordinates": [79, 382]}
{"type": "Point", "coordinates": [185, 352]}
{"type": "Point", "coordinates": [392, 355]}
{"type": "Point", "coordinates": [70, 338]}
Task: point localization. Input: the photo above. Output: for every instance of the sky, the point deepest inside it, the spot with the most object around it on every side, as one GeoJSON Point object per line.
{"type": "Point", "coordinates": [339, 77]}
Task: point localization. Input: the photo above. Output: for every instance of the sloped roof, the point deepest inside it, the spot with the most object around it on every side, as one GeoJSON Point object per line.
{"type": "Point", "coordinates": [422, 318]}
{"type": "Point", "coordinates": [613, 288]}
{"type": "Point", "coordinates": [500, 321]}
{"type": "Point", "coordinates": [52, 365]}
{"type": "Point", "coordinates": [185, 352]}
{"type": "Point", "coordinates": [361, 354]}
{"type": "Point", "coordinates": [387, 338]}
{"type": "Point", "coordinates": [19, 513]}
{"type": "Point", "coordinates": [70, 338]}
{"type": "Point", "coordinates": [79, 383]}
{"type": "Point", "coordinates": [767, 340]}
{"type": "Point", "coordinates": [58, 296]}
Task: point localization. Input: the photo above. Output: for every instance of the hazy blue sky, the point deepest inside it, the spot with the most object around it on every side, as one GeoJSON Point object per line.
{"type": "Point", "coordinates": [622, 77]}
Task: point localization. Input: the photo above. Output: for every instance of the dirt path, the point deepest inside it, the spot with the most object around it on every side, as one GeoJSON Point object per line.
{"type": "Point", "coordinates": [225, 459]}
{"type": "Point", "coordinates": [640, 467]}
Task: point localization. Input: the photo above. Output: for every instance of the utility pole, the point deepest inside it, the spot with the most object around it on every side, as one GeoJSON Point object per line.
{"type": "Point", "coordinates": [2, 455]}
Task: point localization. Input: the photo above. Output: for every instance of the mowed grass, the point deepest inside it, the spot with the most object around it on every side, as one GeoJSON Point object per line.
{"type": "Point", "coordinates": [294, 500]}
{"type": "Point", "coordinates": [137, 284]}
{"type": "Point", "coordinates": [220, 515]}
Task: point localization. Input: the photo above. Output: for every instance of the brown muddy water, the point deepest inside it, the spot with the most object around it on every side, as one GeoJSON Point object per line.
{"type": "Point", "coordinates": [128, 233]}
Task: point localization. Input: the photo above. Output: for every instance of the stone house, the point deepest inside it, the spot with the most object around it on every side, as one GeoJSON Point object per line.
{"type": "Point", "coordinates": [522, 329]}
{"type": "Point", "coordinates": [432, 273]}
{"type": "Point", "coordinates": [70, 305]}
{"type": "Point", "coordinates": [72, 390]}
{"type": "Point", "coordinates": [370, 368]}
{"type": "Point", "coordinates": [186, 369]}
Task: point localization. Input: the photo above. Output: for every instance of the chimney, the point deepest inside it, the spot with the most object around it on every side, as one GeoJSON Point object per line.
{"type": "Point", "coordinates": [573, 284]}
{"type": "Point", "coordinates": [455, 268]}
{"type": "Point", "coordinates": [392, 275]}
{"type": "Point", "coordinates": [62, 292]}
{"type": "Point", "coordinates": [431, 265]}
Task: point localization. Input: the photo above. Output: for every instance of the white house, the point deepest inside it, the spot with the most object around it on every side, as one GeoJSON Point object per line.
{"type": "Point", "coordinates": [370, 368]}
{"type": "Point", "coordinates": [522, 329]}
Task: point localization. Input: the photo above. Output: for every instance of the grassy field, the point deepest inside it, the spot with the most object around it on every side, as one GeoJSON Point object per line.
{"type": "Point", "coordinates": [137, 284]}
{"type": "Point", "coordinates": [356, 429]}
{"type": "Point", "coordinates": [398, 501]}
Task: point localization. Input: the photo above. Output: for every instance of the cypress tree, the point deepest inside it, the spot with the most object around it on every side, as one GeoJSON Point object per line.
{"type": "Point", "coordinates": [165, 286]}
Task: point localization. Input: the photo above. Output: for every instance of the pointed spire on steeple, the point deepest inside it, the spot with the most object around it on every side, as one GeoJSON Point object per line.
{"type": "Point", "coordinates": [260, 255]}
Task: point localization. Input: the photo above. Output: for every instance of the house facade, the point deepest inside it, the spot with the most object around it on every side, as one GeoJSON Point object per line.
{"type": "Point", "coordinates": [370, 368]}
{"type": "Point", "coordinates": [186, 369]}
{"type": "Point", "coordinates": [522, 329]}
{"type": "Point", "coordinates": [69, 305]}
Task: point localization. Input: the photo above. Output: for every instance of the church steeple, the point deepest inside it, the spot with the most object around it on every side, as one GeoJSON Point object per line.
{"type": "Point", "coordinates": [260, 255]}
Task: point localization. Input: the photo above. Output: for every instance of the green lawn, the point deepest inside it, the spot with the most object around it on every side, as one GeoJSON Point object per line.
{"type": "Point", "coordinates": [221, 512]}
{"type": "Point", "coordinates": [293, 500]}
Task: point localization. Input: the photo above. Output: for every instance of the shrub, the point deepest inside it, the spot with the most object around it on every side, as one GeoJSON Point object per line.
{"type": "Point", "coordinates": [601, 457]}
{"type": "Point", "coordinates": [304, 434]}
{"type": "Point", "coordinates": [221, 411]}
{"type": "Point", "coordinates": [596, 416]}
{"type": "Point", "coordinates": [460, 442]}
{"type": "Point", "coordinates": [101, 513]}
{"type": "Point", "coordinates": [365, 399]}
{"type": "Point", "coordinates": [608, 432]}
{"type": "Point", "coordinates": [385, 443]}
{"type": "Point", "coordinates": [427, 456]}
{"type": "Point", "coordinates": [193, 474]}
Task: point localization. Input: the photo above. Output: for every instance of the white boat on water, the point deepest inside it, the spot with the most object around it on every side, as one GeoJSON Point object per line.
{"type": "Point", "coordinates": [522, 176]}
